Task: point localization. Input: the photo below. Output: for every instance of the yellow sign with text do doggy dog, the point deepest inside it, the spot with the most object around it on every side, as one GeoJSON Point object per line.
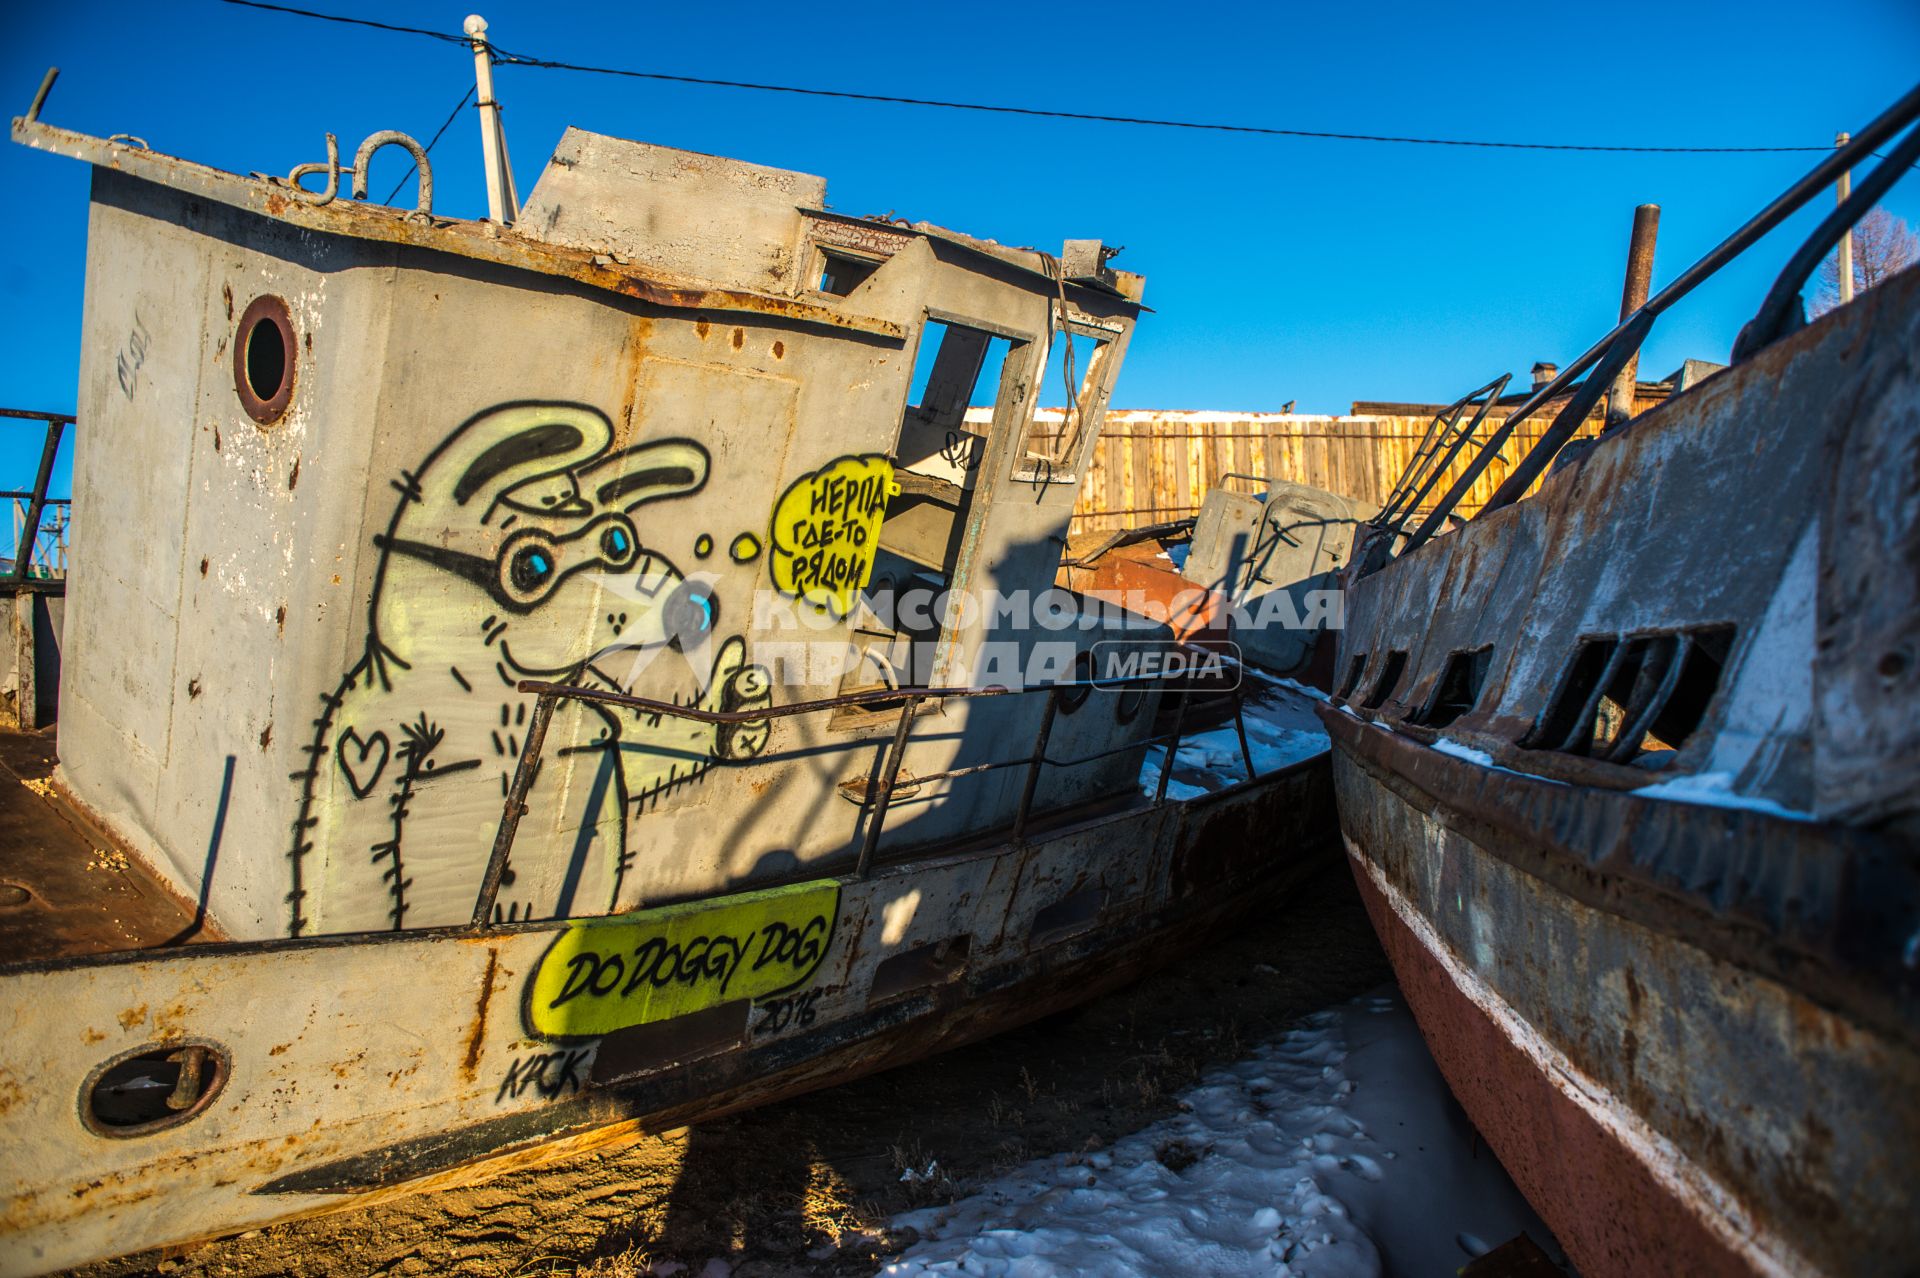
{"type": "Point", "coordinates": [608, 974]}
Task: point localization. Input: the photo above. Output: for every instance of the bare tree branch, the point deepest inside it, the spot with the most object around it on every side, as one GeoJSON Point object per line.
{"type": "Point", "coordinates": [1882, 246]}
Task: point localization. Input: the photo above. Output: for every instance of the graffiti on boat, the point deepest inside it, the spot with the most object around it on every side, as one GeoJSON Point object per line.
{"type": "Point", "coordinates": [603, 975]}
{"type": "Point", "coordinates": [826, 531]}
{"type": "Point", "coordinates": [512, 554]}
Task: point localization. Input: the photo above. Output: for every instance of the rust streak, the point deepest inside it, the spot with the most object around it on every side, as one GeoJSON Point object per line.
{"type": "Point", "coordinates": [455, 236]}
{"type": "Point", "coordinates": [476, 1041]}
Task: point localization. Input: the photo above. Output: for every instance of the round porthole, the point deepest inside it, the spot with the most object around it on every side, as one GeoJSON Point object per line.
{"type": "Point", "coordinates": [1080, 687]}
{"type": "Point", "coordinates": [1127, 704]}
{"type": "Point", "coordinates": [264, 355]}
{"type": "Point", "coordinates": [152, 1088]}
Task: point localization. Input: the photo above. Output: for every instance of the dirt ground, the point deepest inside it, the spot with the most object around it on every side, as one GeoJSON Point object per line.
{"type": "Point", "coordinates": [804, 1187]}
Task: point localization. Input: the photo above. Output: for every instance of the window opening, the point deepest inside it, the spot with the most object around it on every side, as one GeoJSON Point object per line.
{"type": "Point", "coordinates": [935, 462]}
{"type": "Point", "coordinates": [1355, 668]}
{"type": "Point", "coordinates": [1388, 681]}
{"type": "Point", "coordinates": [1458, 690]}
{"type": "Point", "coordinates": [264, 357]}
{"type": "Point", "coordinates": [841, 273]}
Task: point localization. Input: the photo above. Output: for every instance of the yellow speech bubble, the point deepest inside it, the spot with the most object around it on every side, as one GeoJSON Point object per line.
{"type": "Point", "coordinates": [607, 974]}
{"type": "Point", "coordinates": [826, 531]}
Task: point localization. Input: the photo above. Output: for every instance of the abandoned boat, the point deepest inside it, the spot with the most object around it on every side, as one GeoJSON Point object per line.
{"type": "Point", "coordinates": [1628, 773]}
{"type": "Point", "coordinates": [503, 633]}
{"type": "Point", "coordinates": [1254, 576]}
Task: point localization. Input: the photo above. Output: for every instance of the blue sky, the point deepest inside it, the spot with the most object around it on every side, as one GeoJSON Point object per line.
{"type": "Point", "coordinates": [1314, 271]}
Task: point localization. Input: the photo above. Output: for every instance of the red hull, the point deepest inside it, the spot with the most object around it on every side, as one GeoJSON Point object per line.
{"type": "Point", "coordinates": [1605, 1205]}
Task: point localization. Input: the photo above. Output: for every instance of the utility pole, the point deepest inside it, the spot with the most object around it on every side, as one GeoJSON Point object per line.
{"type": "Point", "coordinates": [1841, 192]}
{"type": "Point", "coordinates": [1633, 295]}
{"type": "Point", "coordinates": [503, 204]}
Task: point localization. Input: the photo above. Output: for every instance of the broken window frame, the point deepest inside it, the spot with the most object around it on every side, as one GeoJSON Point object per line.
{"type": "Point", "coordinates": [1080, 425]}
{"type": "Point", "coordinates": [1010, 399]}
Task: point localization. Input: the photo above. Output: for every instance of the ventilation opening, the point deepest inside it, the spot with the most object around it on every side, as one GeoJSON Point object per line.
{"type": "Point", "coordinates": [1355, 668]}
{"type": "Point", "coordinates": [1572, 706]}
{"type": "Point", "coordinates": [841, 274]}
{"type": "Point", "coordinates": [1388, 681]}
{"type": "Point", "coordinates": [1068, 916]}
{"type": "Point", "coordinates": [940, 963]}
{"type": "Point", "coordinates": [1459, 688]}
{"type": "Point", "coordinates": [1640, 664]}
{"type": "Point", "coordinates": [1702, 661]}
{"type": "Point", "coordinates": [263, 359]}
{"type": "Point", "coordinates": [152, 1089]}
{"type": "Point", "coordinates": [1635, 700]}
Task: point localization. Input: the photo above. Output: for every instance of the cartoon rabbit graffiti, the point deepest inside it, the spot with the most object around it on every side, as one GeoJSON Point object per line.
{"type": "Point", "coordinates": [512, 555]}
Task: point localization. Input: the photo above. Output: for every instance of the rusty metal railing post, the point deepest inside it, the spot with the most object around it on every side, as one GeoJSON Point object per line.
{"type": "Point", "coordinates": [37, 504]}
{"type": "Point", "coordinates": [883, 797]}
{"type": "Point", "coordinates": [40, 98]}
{"type": "Point", "coordinates": [1240, 726]}
{"type": "Point", "coordinates": [1033, 767]}
{"type": "Point", "coordinates": [516, 807]}
{"type": "Point", "coordinates": [1579, 407]}
{"type": "Point", "coordinates": [1173, 751]}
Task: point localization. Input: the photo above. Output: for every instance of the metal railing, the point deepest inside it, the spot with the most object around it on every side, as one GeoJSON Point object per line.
{"type": "Point", "coordinates": [879, 794]}
{"type": "Point", "coordinates": [1444, 439]}
{"type": "Point", "coordinates": [1778, 316]}
{"type": "Point", "coordinates": [37, 500]}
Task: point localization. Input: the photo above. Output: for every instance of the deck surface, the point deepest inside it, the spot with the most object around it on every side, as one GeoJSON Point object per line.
{"type": "Point", "coordinates": [65, 889]}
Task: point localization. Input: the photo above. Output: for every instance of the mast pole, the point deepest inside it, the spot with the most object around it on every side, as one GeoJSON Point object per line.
{"type": "Point", "coordinates": [1843, 189]}
{"type": "Point", "coordinates": [502, 204]}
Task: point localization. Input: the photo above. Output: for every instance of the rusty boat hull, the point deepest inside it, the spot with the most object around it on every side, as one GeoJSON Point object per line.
{"type": "Point", "coordinates": [1626, 778]}
{"type": "Point", "coordinates": [330, 1100]}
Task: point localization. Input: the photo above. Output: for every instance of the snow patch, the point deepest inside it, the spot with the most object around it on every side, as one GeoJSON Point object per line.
{"type": "Point", "coordinates": [1211, 760]}
{"type": "Point", "coordinates": [1334, 1151]}
{"type": "Point", "coordinates": [1281, 681]}
{"type": "Point", "coordinates": [1446, 745]}
{"type": "Point", "coordinates": [1460, 750]}
{"type": "Point", "coordinates": [1715, 789]}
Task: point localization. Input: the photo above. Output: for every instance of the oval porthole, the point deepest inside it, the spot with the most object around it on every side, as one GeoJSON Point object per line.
{"type": "Point", "coordinates": [152, 1088]}
{"type": "Point", "coordinates": [1127, 704]}
{"type": "Point", "coordinates": [264, 355]}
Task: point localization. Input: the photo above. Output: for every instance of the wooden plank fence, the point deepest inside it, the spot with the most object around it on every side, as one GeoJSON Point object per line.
{"type": "Point", "coordinates": [1152, 465]}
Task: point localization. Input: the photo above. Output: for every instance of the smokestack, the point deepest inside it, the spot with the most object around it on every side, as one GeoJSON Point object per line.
{"type": "Point", "coordinates": [1543, 373]}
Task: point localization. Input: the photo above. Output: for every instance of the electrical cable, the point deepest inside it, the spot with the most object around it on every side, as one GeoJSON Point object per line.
{"type": "Point", "coordinates": [444, 124]}
{"type": "Point", "coordinates": [506, 57]}
{"type": "Point", "coordinates": [353, 22]}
